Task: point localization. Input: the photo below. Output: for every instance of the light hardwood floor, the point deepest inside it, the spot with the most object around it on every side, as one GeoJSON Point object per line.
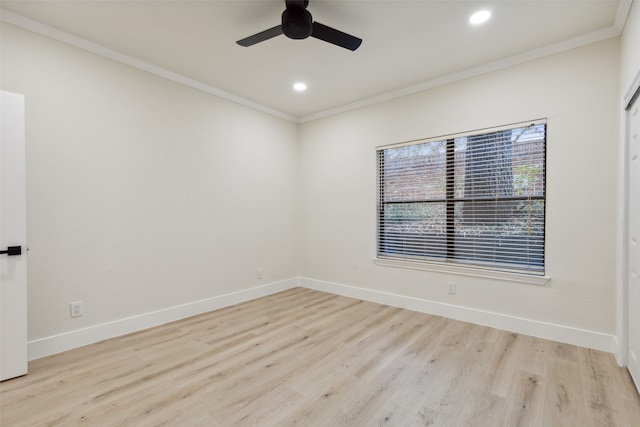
{"type": "Point", "coordinates": [307, 358]}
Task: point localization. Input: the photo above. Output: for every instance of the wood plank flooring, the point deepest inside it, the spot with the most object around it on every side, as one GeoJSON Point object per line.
{"type": "Point", "coordinates": [307, 358]}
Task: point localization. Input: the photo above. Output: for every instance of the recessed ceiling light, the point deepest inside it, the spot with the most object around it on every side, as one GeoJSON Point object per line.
{"type": "Point", "coordinates": [299, 87]}
{"type": "Point", "coordinates": [480, 17]}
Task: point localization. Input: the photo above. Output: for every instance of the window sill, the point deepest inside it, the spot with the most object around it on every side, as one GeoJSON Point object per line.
{"type": "Point", "coordinates": [463, 271]}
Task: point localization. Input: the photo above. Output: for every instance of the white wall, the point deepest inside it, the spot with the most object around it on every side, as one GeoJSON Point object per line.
{"type": "Point", "coordinates": [576, 91]}
{"type": "Point", "coordinates": [143, 194]}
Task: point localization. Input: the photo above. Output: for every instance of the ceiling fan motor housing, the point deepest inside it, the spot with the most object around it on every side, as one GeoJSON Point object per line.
{"type": "Point", "coordinates": [297, 23]}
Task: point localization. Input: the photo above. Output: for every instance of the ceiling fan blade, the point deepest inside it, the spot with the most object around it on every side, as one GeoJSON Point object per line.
{"type": "Point", "coordinates": [334, 36]}
{"type": "Point", "coordinates": [260, 37]}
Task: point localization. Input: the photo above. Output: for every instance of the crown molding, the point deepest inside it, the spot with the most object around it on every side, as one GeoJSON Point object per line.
{"type": "Point", "coordinates": [615, 30]}
{"type": "Point", "coordinates": [98, 49]}
{"type": "Point", "coordinates": [621, 15]}
{"type": "Point", "coordinates": [531, 55]}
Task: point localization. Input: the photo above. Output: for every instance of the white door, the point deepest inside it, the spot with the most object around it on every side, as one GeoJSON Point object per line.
{"type": "Point", "coordinates": [13, 234]}
{"type": "Point", "coordinates": [633, 261]}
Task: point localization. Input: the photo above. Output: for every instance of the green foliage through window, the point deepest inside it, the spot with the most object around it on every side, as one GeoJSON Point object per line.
{"type": "Point", "coordinates": [478, 199]}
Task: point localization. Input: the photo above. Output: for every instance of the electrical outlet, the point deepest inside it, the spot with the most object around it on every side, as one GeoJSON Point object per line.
{"type": "Point", "coordinates": [76, 309]}
{"type": "Point", "coordinates": [259, 273]}
{"type": "Point", "coordinates": [451, 288]}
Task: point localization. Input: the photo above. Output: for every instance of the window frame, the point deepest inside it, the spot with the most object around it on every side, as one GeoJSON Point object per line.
{"type": "Point", "coordinates": [449, 264]}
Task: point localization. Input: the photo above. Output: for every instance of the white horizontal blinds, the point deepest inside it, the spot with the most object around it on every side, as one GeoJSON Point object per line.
{"type": "Point", "coordinates": [500, 198]}
{"type": "Point", "coordinates": [412, 191]}
{"type": "Point", "coordinates": [476, 199]}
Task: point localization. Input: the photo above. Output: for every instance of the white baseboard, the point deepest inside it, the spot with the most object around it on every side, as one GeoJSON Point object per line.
{"type": "Point", "coordinates": [81, 337]}
{"type": "Point", "coordinates": [620, 353]}
{"type": "Point", "coordinates": [550, 331]}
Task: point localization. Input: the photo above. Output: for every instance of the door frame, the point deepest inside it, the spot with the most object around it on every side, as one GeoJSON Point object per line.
{"type": "Point", "coordinates": [622, 333]}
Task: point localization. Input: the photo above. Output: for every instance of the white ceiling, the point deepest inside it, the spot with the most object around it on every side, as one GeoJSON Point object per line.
{"type": "Point", "coordinates": [408, 45]}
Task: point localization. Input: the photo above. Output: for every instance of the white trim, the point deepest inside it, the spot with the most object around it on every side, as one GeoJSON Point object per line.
{"type": "Point", "coordinates": [622, 230]}
{"type": "Point", "coordinates": [621, 15]}
{"type": "Point", "coordinates": [463, 271]}
{"type": "Point", "coordinates": [622, 285]}
{"type": "Point", "coordinates": [70, 39]}
{"type": "Point", "coordinates": [566, 334]}
{"type": "Point", "coordinates": [51, 32]}
{"type": "Point", "coordinates": [619, 353]}
{"type": "Point", "coordinates": [634, 87]}
{"type": "Point", "coordinates": [463, 134]}
{"type": "Point", "coordinates": [81, 337]}
{"type": "Point", "coordinates": [548, 50]}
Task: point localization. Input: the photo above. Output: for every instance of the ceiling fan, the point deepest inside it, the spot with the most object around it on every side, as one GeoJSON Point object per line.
{"type": "Point", "coordinates": [298, 24]}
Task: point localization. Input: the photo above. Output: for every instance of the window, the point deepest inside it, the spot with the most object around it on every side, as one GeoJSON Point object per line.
{"type": "Point", "coordinates": [474, 199]}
